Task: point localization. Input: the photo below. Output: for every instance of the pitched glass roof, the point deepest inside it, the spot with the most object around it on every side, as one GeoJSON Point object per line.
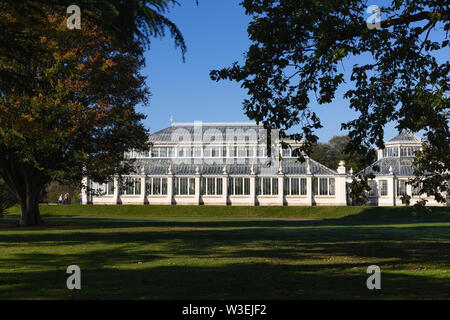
{"type": "Point", "coordinates": [289, 166]}
{"type": "Point", "coordinates": [400, 167]}
{"type": "Point", "coordinates": [405, 136]}
{"type": "Point", "coordinates": [207, 131]}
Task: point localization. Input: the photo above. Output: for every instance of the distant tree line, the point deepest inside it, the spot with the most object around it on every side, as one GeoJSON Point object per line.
{"type": "Point", "coordinates": [333, 151]}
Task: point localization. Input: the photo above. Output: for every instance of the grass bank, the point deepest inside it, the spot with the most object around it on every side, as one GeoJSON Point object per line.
{"type": "Point", "coordinates": [315, 212]}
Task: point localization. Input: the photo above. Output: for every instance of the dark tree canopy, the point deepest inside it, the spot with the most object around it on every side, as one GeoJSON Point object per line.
{"type": "Point", "coordinates": [299, 46]}
{"type": "Point", "coordinates": [68, 97]}
{"type": "Point", "coordinates": [130, 24]}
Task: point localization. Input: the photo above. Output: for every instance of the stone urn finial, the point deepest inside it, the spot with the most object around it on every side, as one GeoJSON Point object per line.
{"type": "Point", "coordinates": [341, 168]}
{"type": "Point", "coordinates": [308, 167]}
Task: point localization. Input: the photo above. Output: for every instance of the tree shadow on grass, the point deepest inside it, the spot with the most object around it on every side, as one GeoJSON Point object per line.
{"type": "Point", "coordinates": [227, 261]}
{"type": "Point", "coordinates": [405, 214]}
{"type": "Point", "coordinates": [234, 281]}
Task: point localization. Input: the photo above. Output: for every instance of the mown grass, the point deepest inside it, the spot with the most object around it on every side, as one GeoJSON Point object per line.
{"type": "Point", "coordinates": [135, 258]}
{"type": "Point", "coordinates": [315, 212]}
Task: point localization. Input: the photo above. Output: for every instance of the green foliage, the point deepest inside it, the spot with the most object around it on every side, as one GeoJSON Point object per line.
{"type": "Point", "coordinates": [69, 96]}
{"type": "Point", "coordinates": [406, 199]}
{"type": "Point", "coordinates": [334, 151]}
{"type": "Point", "coordinates": [298, 50]}
{"type": "Point", "coordinates": [421, 210]}
{"type": "Point", "coordinates": [54, 189]}
{"type": "Point", "coordinates": [359, 188]}
{"type": "Point", "coordinates": [7, 198]}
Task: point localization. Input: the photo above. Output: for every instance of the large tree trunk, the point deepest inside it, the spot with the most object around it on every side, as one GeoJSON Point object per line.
{"type": "Point", "coordinates": [29, 210]}
{"type": "Point", "coordinates": [27, 183]}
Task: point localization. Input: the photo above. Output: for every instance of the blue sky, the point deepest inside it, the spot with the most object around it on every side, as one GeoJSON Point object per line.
{"type": "Point", "coordinates": [215, 32]}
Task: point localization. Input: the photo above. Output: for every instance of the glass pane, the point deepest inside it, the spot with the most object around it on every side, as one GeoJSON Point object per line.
{"type": "Point", "coordinates": [401, 190]}
{"type": "Point", "coordinates": [246, 186]}
{"type": "Point", "coordinates": [303, 186]}
{"type": "Point", "coordinates": [383, 187]}
{"type": "Point", "coordinates": [129, 186]}
{"type": "Point", "coordinates": [137, 186]}
{"type": "Point", "coordinates": [286, 186]}
{"type": "Point", "coordinates": [332, 187]}
{"type": "Point", "coordinates": [154, 152]}
{"type": "Point", "coordinates": [323, 186]}
{"type": "Point", "coordinates": [266, 186]}
{"type": "Point", "coordinates": [315, 187]}
{"type": "Point", "coordinates": [183, 186]}
{"type": "Point", "coordinates": [219, 183]}
{"type": "Point", "coordinates": [163, 185]}
{"type": "Point", "coordinates": [175, 186]}
{"type": "Point", "coordinates": [286, 152]}
{"type": "Point", "coordinates": [210, 186]}
{"type": "Point", "coordinates": [203, 186]}
{"type": "Point", "coordinates": [156, 186]}
{"type": "Point", "coordinates": [111, 187]}
{"type": "Point", "coordinates": [231, 186]}
{"type": "Point", "coordinates": [191, 185]}
{"type": "Point", "coordinates": [274, 186]}
{"type": "Point", "coordinates": [239, 186]}
{"type": "Point", "coordinates": [295, 186]}
{"type": "Point", "coordinates": [416, 190]}
{"type": "Point", "coordinates": [395, 152]}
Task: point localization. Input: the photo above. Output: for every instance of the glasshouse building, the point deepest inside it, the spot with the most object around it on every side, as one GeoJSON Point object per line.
{"type": "Point", "coordinates": [229, 164]}
{"type": "Point", "coordinates": [395, 169]}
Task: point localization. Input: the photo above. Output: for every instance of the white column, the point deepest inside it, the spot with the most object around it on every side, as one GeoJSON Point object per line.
{"type": "Point", "coordinates": [84, 193]}
{"type": "Point", "coordinates": [252, 190]}
{"type": "Point", "coordinates": [309, 195]}
{"type": "Point", "coordinates": [281, 189]}
{"type": "Point", "coordinates": [197, 189]}
{"type": "Point", "coordinates": [169, 189]}
{"type": "Point", "coordinates": [116, 195]}
{"type": "Point", "coordinates": [340, 190]}
{"type": "Point", "coordinates": [225, 189]}
{"type": "Point", "coordinates": [143, 197]}
{"type": "Point", "coordinates": [391, 190]}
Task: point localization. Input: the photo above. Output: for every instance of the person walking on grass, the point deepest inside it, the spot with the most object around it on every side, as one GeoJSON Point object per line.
{"type": "Point", "coordinates": [60, 199]}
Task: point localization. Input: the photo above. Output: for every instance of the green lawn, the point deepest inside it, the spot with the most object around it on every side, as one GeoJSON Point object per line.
{"type": "Point", "coordinates": [199, 258]}
{"type": "Point", "coordinates": [315, 212]}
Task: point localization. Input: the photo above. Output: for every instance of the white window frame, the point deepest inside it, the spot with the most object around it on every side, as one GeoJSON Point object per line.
{"type": "Point", "coordinates": [150, 186]}
{"type": "Point", "coordinates": [177, 183]}
{"type": "Point", "coordinates": [217, 186]}
{"type": "Point", "coordinates": [232, 189]}
{"type": "Point", "coordinates": [131, 186]}
{"type": "Point", "coordinates": [316, 186]}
